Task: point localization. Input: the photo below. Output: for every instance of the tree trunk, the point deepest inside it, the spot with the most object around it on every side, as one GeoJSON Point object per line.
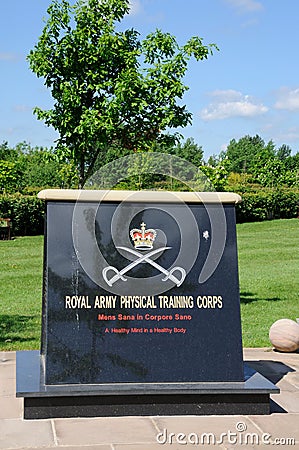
{"type": "Point", "coordinates": [82, 172]}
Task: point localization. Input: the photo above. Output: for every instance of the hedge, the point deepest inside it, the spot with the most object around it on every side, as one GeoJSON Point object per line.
{"type": "Point", "coordinates": [25, 212]}
{"type": "Point", "coordinates": [263, 205]}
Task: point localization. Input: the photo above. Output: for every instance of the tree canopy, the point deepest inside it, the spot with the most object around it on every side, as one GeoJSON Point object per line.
{"type": "Point", "coordinates": [26, 169]}
{"type": "Point", "coordinates": [242, 154]}
{"type": "Point", "coordinates": [109, 86]}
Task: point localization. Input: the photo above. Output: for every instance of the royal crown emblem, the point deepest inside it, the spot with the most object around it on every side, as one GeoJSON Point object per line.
{"type": "Point", "coordinates": [143, 239]}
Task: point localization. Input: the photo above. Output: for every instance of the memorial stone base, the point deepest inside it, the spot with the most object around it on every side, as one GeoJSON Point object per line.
{"type": "Point", "coordinates": [138, 399]}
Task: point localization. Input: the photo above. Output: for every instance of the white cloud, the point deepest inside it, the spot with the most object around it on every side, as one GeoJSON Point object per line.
{"type": "Point", "coordinates": [245, 6]}
{"type": "Point", "coordinates": [135, 7]}
{"type": "Point", "coordinates": [226, 95]}
{"type": "Point", "coordinates": [291, 135]}
{"type": "Point", "coordinates": [231, 103]}
{"type": "Point", "coordinates": [250, 23]}
{"type": "Point", "coordinates": [285, 134]}
{"type": "Point", "coordinates": [288, 99]}
{"type": "Point", "coordinates": [22, 108]}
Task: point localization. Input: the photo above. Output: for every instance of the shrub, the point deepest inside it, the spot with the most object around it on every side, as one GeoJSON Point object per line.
{"type": "Point", "coordinates": [25, 212]}
{"type": "Point", "coordinates": [266, 205]}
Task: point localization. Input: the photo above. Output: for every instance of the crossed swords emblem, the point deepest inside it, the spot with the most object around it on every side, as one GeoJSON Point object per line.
{"type": "Point", "coordinates": [144, 258]}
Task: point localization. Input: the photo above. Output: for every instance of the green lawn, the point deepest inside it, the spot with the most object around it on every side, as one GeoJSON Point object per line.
{"type": "Point", "coordinates": [269, 276]}
{"type": "Point", "coordinates": [269, 281]}
{"type": "Point", "coordinates": [20, 292]}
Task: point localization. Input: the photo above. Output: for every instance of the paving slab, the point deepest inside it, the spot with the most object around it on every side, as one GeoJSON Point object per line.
{"type": "Point", "coordinates": [285, 385]}
{"type": "Point", "coordinates": [11, 408]}
{"type": "Point", "coordinates": [270, 353]}
{"type": "Point", "coordinates": [114, 430]}
{"type": "Point", "coordinates": [289, 401]}
{"type": "Point", "coordinates": [293, 378]}
{"type": "Point", "coordinates": [17, 433]}
{"type": "Point", "coordinates": [7, 356]}
{"type": "Point", "coordinates": [278, 425]}
{"type": "Point", "coordinates": [7, 387]}
{"type": "Point", "coordinates": [7, 371]}
{"type": "Point", "coordinates": [274, 430]}
{"type": "Point", "coordinates": [205, 430]}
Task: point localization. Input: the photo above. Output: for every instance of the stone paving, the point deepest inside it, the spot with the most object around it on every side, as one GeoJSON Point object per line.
{"type": "Point", "coordinates": [160, 432]}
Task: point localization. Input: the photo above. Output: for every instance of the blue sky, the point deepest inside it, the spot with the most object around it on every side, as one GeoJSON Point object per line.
{"type": "Point", "coordinates": [251, 86]}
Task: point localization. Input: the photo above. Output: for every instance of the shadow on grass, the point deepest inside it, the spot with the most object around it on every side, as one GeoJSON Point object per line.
{"type": "Point", "coordinates": [15, 328]}
{"type": "Point", "coordinates": [249, 297]}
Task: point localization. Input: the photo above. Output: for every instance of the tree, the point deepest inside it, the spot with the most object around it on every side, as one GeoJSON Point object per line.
{"type": "Point", "coordinates": [242, 154]}
{"type": "Point", "coordinates": [190, 151]}
{"type": "Point", "coordinates": [217, 172]}
{"type": "Point", "coordinates": [9, 176]}
{"type": "Point", "coordinates": [284, 152]}
{"type": "Point", "coordinates": [268, 169]}
{"type": "Point", "coordinates": [7, 153]}
{"type": "Point", "coordinates": [109, 87]}
{"type": "Point", "coordinates": [292, 162]}
{"type": "Point", "coordinates": [40, 169]}
{"type": "Point", "coordinates": [25, 169]}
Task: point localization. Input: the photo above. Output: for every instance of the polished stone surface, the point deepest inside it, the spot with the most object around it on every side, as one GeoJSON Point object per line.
{"type": "Point", "coordinates": [43, 401]}
{"type": "Point", "coordinates": [30, 383]}
{"type": "Point", "coordinates": [90, 345]}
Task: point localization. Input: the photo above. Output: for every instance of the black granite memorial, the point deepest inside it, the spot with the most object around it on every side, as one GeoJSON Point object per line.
{"type": "Point", "coordinates": [141, 309]}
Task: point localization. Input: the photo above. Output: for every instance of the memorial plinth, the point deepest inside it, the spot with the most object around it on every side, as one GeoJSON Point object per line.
{"type": "Point", "coordinates": [141, 309]}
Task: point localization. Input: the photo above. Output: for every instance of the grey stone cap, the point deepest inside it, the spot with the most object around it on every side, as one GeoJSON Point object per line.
{"type": "Point", "coordinates": [139, 196]}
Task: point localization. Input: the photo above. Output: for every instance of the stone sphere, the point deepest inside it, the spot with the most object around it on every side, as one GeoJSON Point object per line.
{"type": "Point", "coordinates": [284, 335]}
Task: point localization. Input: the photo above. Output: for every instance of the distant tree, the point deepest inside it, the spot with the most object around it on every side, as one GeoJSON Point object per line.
{"type": "Point", "coordinates": [284, 152]}
{"type": "Point", "coordinates": [290, 165]}
{"type": "Point", "coordinates": [190, 151]}
{"type": "Point", "coordinates": [292, 162]}
{"type": "Point", "coordinates": [217, 172]}
{"type": "Point", "coordinates": [24, 167]}
{"type": "Point", "coordinates": [242, 153]}
{"type": "Point", "coordinates": [109, 87]}
{"type": "Point", "coordinates": [7, 153]}
{"type": "Point", "coordinates": [213, 160]}
{"type": "Point", "coordinates": [39, 168]}
{"type": "Point", "coordinates": [10, 176]}
{"type": "Point", "coordinates": [268, 169]}
{"type": "Point", "coordinates": [272, 170]}
{"type": "Point", "coordinates": [10, 170]}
